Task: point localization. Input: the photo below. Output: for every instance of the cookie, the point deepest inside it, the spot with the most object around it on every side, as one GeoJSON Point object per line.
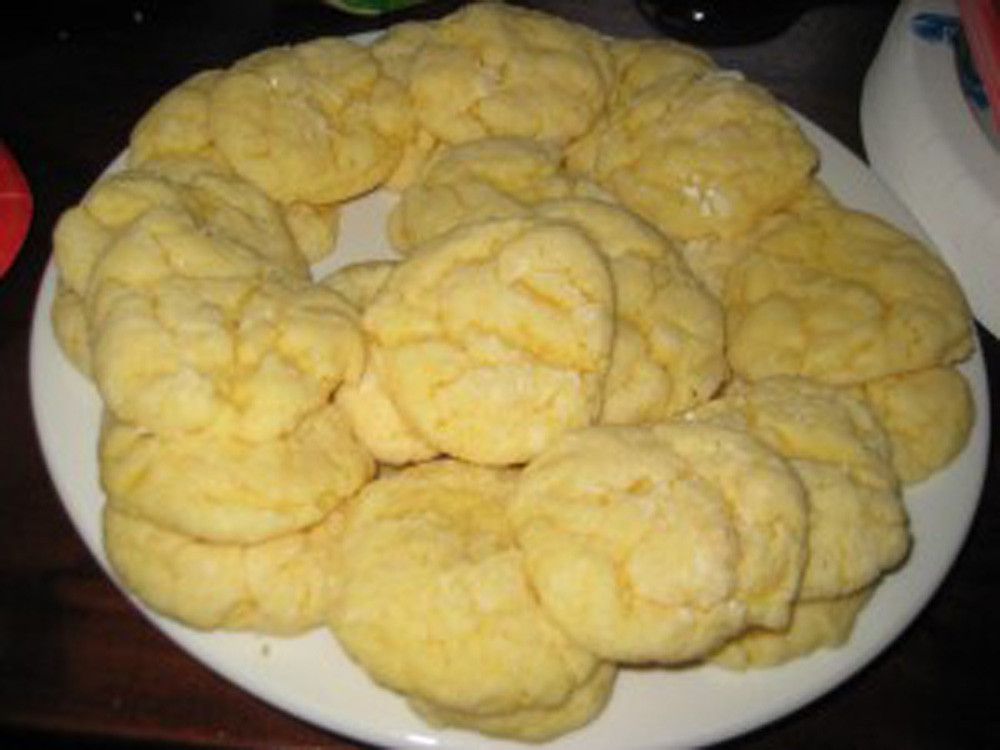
{"type": "Point", "coordinates": [817, 624]}
{"type": "Point", "coordinates": [660, 543]}
{"type": "Point", "coordinates": [178, 128]}
{"type": "Point", "coordinates": [842, 296]}
{"type": "Point", "coordinates": [212, 201]}
{"type": "Point", "coordinates": [710, 258]}
{"type": "Point", "coordinates": [223, 488]}
{"type": "Point", "coordinates": [278, 586]}
{"type": "Point", "coordinates": [489, 178]}
{"type": "Point", "coordinates": [315, 122]}
{"type": "Point", "coordinates": [858, 524]}
{"type": "Point", "coordinates": [358, 283]}
{"type": "Point", "coordinates": [373, 416]}
{"type": "Point", "coordinates": [496, 337]}
{"type": "Point", "coordinates": [669, 348]}
{"type": "Point", "coordinates": [928, 415]}
{"type": "Point", "coordinates": [435, 604]}
{"type": "Point", "coordinates": [69, 323]}
{"type": "Point", "coordinates": [188, 331]}
{"type": "Point", "coordinates": [491, 69]}
{"type": "Point", "coordinates": [710, 162]}
{"type": "Point", "coordinates": [537, 724]}
{"type": "Point", "coordinates": [177, 125]}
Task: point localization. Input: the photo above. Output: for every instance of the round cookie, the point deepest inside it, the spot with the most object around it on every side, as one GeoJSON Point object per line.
{"type": "Point", "coordinates": [669, 348]}
{"type": "Point", "coordinates": [928, 415]}
{"type": "Point", "coordinates": [492, 69]}
{"type": "Point", "coordinates": [214, 202]}
{"type": "Point", "coordinates": [178, 123]}
{"type": "Point", "coordinates": [83, 233]}
{"type": "Point", "coordinates": [315, 228]}
{"type": "Point", "coordinates": [188, 331]}
{"type": "Point", "coordinates": [376, 420]}
{"type": "Point", "coordinates": [537, 724]}
{"type": "Point", "coordinates": [373, 416]}
{"type": "Point", "coordinates": [358, 283]}
{"type": "Point", "coordinates": [233, 208]}
{"type": "Point", "coordinates": [489, 178]}
{"type": "Point", "coordinates": [804, 418]}
{"type": "Point", "coordinates": [654, 68]}
{"type": "Point", "coordinates": [660, 543]}
{"type": "Point", "coordinates": [278, 586]}
{"type": "Point", "coordinates": [316, 122]}
{"type": "Point", "coordinates": [650, 75]}
{"type": "Point", "coordinates": [709, 162]}
{"type": "Point", "coordinates": [844, 297]}
{"type": "Point", "coordinates": [435, 604]}
{"type": "Point", "coordinates": [178, 127]}
{"type": "Point", "coordinates": [69, 323]}
{"type": "Point", "coordinates": [223, 488]}
{"type": "Point", "coordinates": [815, 625]}
{"type": "Point", "coordinates": [496, 337]}
{"type": "Point", "coordinates": [858, 531]}
{"type": "Point", "coordinates": [710, 258]}
{"type": "Point", "coordinates": [858, 524]}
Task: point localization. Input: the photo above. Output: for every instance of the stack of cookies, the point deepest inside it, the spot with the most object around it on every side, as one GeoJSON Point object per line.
{"type": "Point", "coordinates": [635, 390]}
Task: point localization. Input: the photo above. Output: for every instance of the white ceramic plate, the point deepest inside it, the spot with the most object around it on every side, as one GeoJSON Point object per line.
{"type": "Point", "coordinates": [310, 676]}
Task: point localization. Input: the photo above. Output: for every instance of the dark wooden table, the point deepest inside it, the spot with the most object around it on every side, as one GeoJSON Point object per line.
{"type": "Point", "coordinates": [80, 667]}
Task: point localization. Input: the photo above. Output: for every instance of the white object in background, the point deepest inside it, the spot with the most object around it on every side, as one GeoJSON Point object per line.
{"type": "Point", "coordinates": [924, 140]}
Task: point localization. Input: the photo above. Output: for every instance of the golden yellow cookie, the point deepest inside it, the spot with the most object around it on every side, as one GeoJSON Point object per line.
{"type": "Point", "coordinates": [187, 332]}
{"type": "Point", "coordinates": [395, 51]}
{"type": "Point", "coordinates": [858, 525]}
{"type": "Point", "coordinates": [316, 121]}
{"type": "Point", "coordinates": [278, 586]}
{"type": "Point", "coordinates": [69, 323]}
{"type": "Point", "coordinates": [435, 603]}
{"type": "Point", "coordinates": [711, 161]}
{"type": "Point", "coordinates": [710, 258]}
{"type": "Point", "coordinates": [214, 202]}
{"type": "Point", "coordinates": [493, 69]}
{"type": "Point", "coordinates": [223, 488]}
{"type": "Point", "coordinates": [669, 348]}
{"type": "Point", "coordinates": [857, 531]}
{"type": "Point", "coordinates": [233, 208]}
{"type": "Point", "coordinates": [178, 127]}
{"type": "Point", "coordinates": [178, 123]}
{"type": "Point", "coordinates": [373, 416]}
{"type": "Point", "coordinates": [650, 75]}
{"type": "Point", "coordinates": [815, 625]}
{"type": "Point", "coordinates": [496, 337]}
{"type": "Point", "coordinates": [358, 283]}
{"type": "Point", "coordinates": [660, 543]}
{"type": "Point", "coordinates": [537, 724]}
{"type": "Point", "coordinates": [489, 178]}
{"type": "Point", "coordinates": [376, 420]}
{"type": "Point", "coordinates": [315, 228]}
{"type": "Point", "coordinates": [804, 418]}
{"type": "Point", "coordinates": [842, 296]}
{"type": "Point", "coordinates": [656, 69]}
{"type": "Point", "coordinates": [929, 416]}
{"type": "Point", "coordinates": [108, 266]}
{"type": "Point", "coordinates": [83, 233]}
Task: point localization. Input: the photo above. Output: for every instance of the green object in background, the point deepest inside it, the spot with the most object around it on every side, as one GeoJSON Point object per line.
{"type": "Point", "coordinates": [372, 7]}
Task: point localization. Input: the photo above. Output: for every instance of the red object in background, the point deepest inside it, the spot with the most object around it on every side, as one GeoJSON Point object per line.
{"type": "Point", "coordinates": [981, 24]}
{"type": "Point", "coordinates": [15, 208]}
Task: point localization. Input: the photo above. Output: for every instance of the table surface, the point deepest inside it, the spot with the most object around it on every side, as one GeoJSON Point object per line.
{"type": "Point", "coordinates": [80, 666]}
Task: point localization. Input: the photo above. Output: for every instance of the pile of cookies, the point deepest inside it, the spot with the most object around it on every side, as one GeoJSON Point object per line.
{"type": "Point", "coordinates": [635, 390]}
